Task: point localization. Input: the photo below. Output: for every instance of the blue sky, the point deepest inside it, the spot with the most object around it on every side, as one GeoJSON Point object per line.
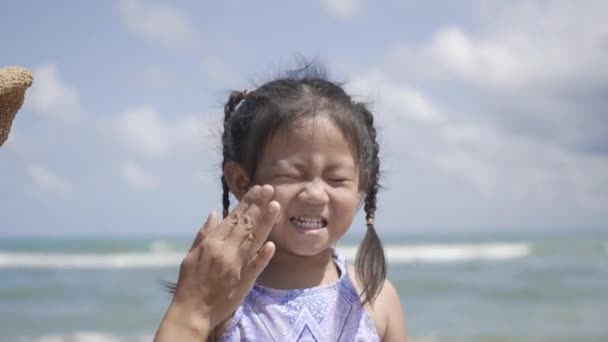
{"type": "Point", "coordinates": [491, 114]}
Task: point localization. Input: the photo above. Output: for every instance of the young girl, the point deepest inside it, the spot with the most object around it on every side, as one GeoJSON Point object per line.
{"type": "Point", "coordinates": [301, 157]}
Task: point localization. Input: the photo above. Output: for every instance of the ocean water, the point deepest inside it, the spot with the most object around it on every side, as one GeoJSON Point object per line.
{"type": "Point", "coordinates": [515, 287]}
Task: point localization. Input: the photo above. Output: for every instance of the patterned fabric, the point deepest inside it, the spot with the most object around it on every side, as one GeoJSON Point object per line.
{"type": "Point", "coordinates": [320, 314]}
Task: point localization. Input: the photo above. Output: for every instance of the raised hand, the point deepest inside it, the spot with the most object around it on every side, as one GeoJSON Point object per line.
{"type": "Point", "coordinates": [222, 265]}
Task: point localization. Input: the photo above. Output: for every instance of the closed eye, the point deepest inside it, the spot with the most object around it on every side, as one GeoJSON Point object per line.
{"type": "Point", "coordinates": [287, 176]}
{"type": "Point", "coordinates": [338, 181]}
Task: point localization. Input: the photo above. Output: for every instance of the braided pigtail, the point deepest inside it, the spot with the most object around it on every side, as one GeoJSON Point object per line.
{"type": "Point", "coordinates": [235, 99]}
{"type": "Point", "coordinates": [370, 261]}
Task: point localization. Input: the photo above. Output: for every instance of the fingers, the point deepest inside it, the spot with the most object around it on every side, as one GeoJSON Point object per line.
{"type": "Point", "coordinates": [211, 222]}
{"type": "Point", "coordinates": [245, 222]}
{"type": "Point", "coordinates": [249, 223]}
{"type": "Point", "coordinates": [254, 240]}
{"type": "Point", "coordinates": [246, 228]}
{"type": "Point", "coordinates": [235, 216]}
{"type": "Point", "coordinates": [257, 264]}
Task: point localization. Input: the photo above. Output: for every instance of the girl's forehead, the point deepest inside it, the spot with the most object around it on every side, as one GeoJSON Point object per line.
{"type": "Point", "coordinates": [307, 137]}
{"type": "Point", "coordinates": [308, 130]}
{"type": "Point", "coordinates": [312, 125]}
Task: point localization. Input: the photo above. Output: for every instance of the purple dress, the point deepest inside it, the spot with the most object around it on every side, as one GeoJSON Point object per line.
{"type": "Point", "coordinates": [325, 313]}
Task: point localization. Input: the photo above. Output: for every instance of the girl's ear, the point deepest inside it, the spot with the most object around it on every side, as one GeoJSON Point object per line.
{"type": "Point", "coordinates": [237, 179]}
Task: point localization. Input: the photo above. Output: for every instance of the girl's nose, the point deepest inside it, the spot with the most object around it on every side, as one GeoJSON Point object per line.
{"type": "Point", "coordinates": [314, 192]}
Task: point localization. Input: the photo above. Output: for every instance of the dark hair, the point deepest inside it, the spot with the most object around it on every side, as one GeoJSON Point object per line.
{"type": "Point", "coordinates": [252, 118]}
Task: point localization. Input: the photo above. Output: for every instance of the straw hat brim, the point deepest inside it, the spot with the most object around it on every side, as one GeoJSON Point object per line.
{"type": "Point", "coordinates": [13, 83]}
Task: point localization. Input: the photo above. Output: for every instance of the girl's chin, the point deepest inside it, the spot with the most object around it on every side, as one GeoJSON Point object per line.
{"type": "Point", "coordinates": [301, 251]}
{"type": "Point", "coordinates": [302, 241]}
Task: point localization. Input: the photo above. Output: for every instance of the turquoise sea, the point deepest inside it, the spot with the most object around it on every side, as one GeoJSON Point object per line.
{"type": "Point", "coordinates": [460, 287]}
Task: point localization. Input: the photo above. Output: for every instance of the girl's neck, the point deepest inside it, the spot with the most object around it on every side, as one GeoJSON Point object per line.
{"type": "Point", "coordinates": [290, 271]}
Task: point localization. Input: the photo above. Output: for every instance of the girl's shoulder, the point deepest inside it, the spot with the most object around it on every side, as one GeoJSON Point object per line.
{"type": "Point", "coordinates": [386, 311]}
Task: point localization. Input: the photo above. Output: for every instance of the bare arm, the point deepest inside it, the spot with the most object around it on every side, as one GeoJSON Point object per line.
{"type": "Point", "coordinates": [179, 325]}
{"type": "Point", "coordinates": [389, 304]}
{"type": "Point", "coordinates": [220, 268]}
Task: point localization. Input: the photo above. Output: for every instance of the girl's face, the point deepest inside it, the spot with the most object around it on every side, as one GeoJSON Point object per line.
{"type": "Point", "coordinates": [315, 176]}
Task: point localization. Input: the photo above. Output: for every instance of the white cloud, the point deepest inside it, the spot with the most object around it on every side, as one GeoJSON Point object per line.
{"type": "Point", "coordinates": [477, 61]}
{"type": "Point", "coordinates": [526, 84]}
{"type": "Point", "coordinates": [510, 128]}
{"type": "Point", "coordinates": [141, 128]}
{"type": "Point", "coordinates": [219, 72]}
{"type": "Point", "coordinates": [188, 132]}
{"type": "Point", "coordinates": [52, 97]}
{"type": "Point", "coordinates": [519, 44]}
{"type": "Point", "coordinates": [399, 99]}
{"type": "Point", "coordinates": [343, 8]}
{"type": "Point", "coordinates": [522, 171]}
{"type": "Point", "coordinates": [136, 177]}
{"type": "Point", "coordinates": [146, 132]}
{"type": "Point", "coordinates": [47, 181]}
{"type": "Point", "coordinates": [154, 77]}
{"type": "Point", "coordinates": [472, 174]}
{"type": "Point", "coordinates": [163, 24]}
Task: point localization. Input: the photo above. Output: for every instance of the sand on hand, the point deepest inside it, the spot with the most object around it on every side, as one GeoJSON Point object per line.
{"type": "Point", "coordinates": [13, 83]}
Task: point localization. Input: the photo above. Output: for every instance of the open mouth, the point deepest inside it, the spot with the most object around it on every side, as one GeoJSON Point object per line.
{"type": "Point", "coordinates": [306, 222]}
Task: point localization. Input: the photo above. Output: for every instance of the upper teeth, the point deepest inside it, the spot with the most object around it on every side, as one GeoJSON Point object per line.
{"type": "Point", "coordinates": [308, 219]}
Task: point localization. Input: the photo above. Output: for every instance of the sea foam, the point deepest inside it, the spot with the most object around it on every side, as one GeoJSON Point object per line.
{"type": "Point", "coordinates": [88, 336]}
{"type": "Point", "coordinates": [161, 257]}
{"type": "Point", "coordinates": [440, 253]}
